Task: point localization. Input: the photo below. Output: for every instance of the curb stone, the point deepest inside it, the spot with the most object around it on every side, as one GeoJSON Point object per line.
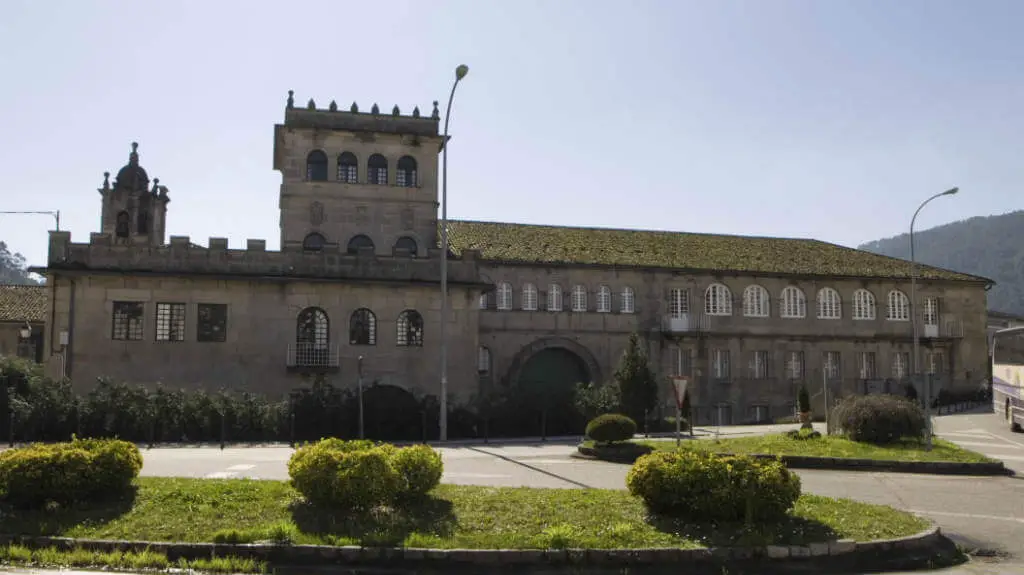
{"type": "Point", "coordinates": [845, 463]}
{"type": "Point", "coordinates": [823, 556]}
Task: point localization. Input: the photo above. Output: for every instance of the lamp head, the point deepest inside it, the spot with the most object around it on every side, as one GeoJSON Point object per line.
{"type": "Point", "coordinates": [461, 71]}
{"type": "Point", "coordinates": [26, 331]}
{"type": "Point", "coordinates": [951, 191]}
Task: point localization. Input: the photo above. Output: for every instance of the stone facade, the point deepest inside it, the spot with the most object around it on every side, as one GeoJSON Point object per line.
{"type": "Point", "coordinates": [359, 225]}
{"type": "Point", "coordinates": [23, 308]}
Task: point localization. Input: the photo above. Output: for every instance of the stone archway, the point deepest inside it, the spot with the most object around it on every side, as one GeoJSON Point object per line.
{"type": "Point", "coordinates": [542, 380]}
{"type": "Point", "coordinates": [391, 413]}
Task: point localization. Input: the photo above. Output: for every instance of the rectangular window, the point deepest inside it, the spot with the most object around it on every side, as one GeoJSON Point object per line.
{"type": "Point", "coordinates": [795, 365]}
{"type": "Point", "coordinates": [626, 301]}
{"type": "Point", "coordinates": [931, 311]}
{"type": "Point", "coordinates": [720, 363]}
{"type": "Point", "coordinates": [684, 362]}
{"type": "Point", "coordinates": [759, 364]}
{"type": "Point", "coordinates": [483, 301]}
{"type": "Point", "coordinates": [678, 302]}
{"type": "Point", "coordinates": [831, 365]}
{"type": "Point", "coordinates": [212, 322]}
{"type": "Point", "coordinates": [128, 320]}
{"type": "Point", "coordinates": [900, 361]}
{"type": "Point", "coordinates": [170, 322]}
{"type": "Point", "coordinates": [866, 364]}
{"type": "Point", "coordinates": [936, 362]}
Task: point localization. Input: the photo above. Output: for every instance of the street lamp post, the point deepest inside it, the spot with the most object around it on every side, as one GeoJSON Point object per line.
{"type": "Point", "coordinates": [359, 363]}
{"type": "Point", "coordinates": [460, 73]}
{"type": "Point", "coordinates": [913, 316]}
{"type": "Point", "coordinates": [55, 214]}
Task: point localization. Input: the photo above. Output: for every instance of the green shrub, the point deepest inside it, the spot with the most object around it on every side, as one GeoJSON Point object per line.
{"type": "Point", "coordinates": [421, 468]}
{"type": "Point", "coordinates": [879, 419]}
{"type": "Point", "coordinates": [362, 474]}
{"type": "Point", "coordinates": [611, 427]}
{"type": "Point", "coordinates": [803, 400]}
{"type": "Point", "coordinates": [77, 471]}
{"type": "Point", "coordinates": [704, 487]}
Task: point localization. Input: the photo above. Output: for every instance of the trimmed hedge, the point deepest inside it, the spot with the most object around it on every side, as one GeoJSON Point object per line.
{"type": "Point", "coordinates": [704, 487]}
{"type": "Point", "coordinates": [879, 419]}
{"type": "Point", "coordinates": [362, 474]}
{"type": "Point", "coordinates": [81, 470]}
{"type": "Point", "coordinates": [611, 427]}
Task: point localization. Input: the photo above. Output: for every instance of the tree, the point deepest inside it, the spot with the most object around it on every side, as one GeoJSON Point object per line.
{"type": "Point", "coordinates": [12, 268]}
{"type": "Point", "coordinates": [593, 399]}
{"type": "Point", "coordinates": [638, 386]}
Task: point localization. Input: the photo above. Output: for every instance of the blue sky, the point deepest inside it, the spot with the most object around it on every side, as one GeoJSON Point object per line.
{"type": "Point", "coordinates": [830, 119]}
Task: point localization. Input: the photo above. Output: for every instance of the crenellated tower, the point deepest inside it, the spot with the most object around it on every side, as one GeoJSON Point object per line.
{"type": "Point", "coordinates": [357, 180]}
{"type": "Point", "coordinates": [132, 213]}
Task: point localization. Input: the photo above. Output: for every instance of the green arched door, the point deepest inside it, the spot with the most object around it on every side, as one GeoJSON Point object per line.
{"type": "Point", "coordinates": [546, 384]}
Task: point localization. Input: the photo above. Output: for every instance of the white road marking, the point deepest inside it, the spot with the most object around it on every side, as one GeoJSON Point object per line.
{"type": "Point", "coordinates": [547, 461]}
{"type": "Point", "coordinates": [1010, 441]}
{"type": "Point", "coordinates": [970, 434]}
{"type": "Point", "coordinates": [967, 515]}
{"type": "Point", "coordinates": [987, 444]}
{"type": "Point", "coordinates": [476, 475]}
{"type": "Point", "coordinates": [242, 467]}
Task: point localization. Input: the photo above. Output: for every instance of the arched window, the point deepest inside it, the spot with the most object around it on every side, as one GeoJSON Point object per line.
{"type": "Point", "coordinates": [830, 306]}
{"type": "Point", "coordinates": [627, 300]}
{"type": "Point", "coordinates": [312, 328]}
{"type": "Point", "coordinates": [483, 361]}
{"type": "Point", "coordinates": [410, 329]}
{"type": "Point", "coordinates": [377, 170]}
{"type": "Point", "coordinates": [313, 242]}
{"type": "Point", "coordinates": [123, 227]}
{"type": "Point", "coordinates": [348, 168]}
{"type": "Point", "coordinates": [529, 297]}
{"type": "Point", "coordinates": [899, 306]}
{"type": "Point", "coordinates": [554, 297]}
{"type": "Point", "coordinates": [362, 327]}
{"type": "Point", "coordinates": [863, 304]}
{"type": "Point", "coordinates": [604, 299]}
{"type": "Point", "coordinates": [504, 296]}
{"type": "Point", "coordinates": [359, 242]}
{"type": "Point", "coordinates": [407, 243]}
{"type": "Point", "coordinates": [406, 175]}
{"type": "Point", "coordinates": [142, 225]}
{"type": "Point", "coordinates": [579, 298]}
{"type": "Point", "coordinates": [794, 303]}
{"type": "Point", "coordinates": [316, 166]}
{"type": "Point", "coordinates": [718, 300]}
{"type": "Point", "coordinates": [756, 301]}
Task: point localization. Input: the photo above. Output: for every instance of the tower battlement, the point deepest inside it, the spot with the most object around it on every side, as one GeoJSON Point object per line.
{"type": "Point", "coordinates": [181, 257]}
{"type": "Point", "coordinates": [354, 120]}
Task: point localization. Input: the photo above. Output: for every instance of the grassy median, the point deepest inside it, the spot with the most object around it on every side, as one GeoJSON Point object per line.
{"type": "Point", "coordinates": [828, 446]}
{"type": "Point", "coordinates": [463, 517]}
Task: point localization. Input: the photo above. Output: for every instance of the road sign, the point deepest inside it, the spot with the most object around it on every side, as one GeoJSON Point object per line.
{"type": "Point", "coordinates": [679, 384]}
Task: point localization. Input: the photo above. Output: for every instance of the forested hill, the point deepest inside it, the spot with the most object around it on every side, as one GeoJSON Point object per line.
{"type": "Point", "coordinates": [989, 246]}
{"type": "Point", "coordinates": [12, 268]}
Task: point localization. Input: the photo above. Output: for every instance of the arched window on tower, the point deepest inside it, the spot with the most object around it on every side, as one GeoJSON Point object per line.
{"type": "Point", "coordinates": [316, 166]}
{"type": "Point", "coordinates": [407, 243]}
{"type": "Point", "coordinates": [348, 168]}
{"type": "Point", "coordinates": [406, 175]}
{"type": "Point", "coordinates": [377, 170]}
{"type": "Point", "coordinates": [313, 242]}
{"type": "Point", "coordinates": [142, 226]}
{"type": "Point", "coordinates": [357, 242]}
{"type": "Point", "coordinates": [123, 227]}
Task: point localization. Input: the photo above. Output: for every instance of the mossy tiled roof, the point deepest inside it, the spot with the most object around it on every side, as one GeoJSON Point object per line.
{"type": "Point", "coordinates": [22, 303]}
{"type": "Point", "coordinates": [526, 243]}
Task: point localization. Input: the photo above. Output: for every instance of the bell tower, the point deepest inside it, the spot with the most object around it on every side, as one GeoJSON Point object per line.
{"type": "Point", "coordinates": [132, 213]}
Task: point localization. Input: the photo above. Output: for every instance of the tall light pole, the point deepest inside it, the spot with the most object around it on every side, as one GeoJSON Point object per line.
{"type": "Point", "coordinates": [913, 314]}
{"type": "Point", "coordinates": [460, 73]}
{"type": "Point", "coordinates": [55, 214]}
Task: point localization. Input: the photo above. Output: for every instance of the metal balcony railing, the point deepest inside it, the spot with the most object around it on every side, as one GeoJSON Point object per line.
{"type": "Point", "coordinates": [313, 355]}
{"type": "Point", "coordinates": [945, 328]}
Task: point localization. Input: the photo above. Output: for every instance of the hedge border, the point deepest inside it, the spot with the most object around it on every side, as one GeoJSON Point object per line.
{"type": "Point", "coordinates": [849, 464]}
{"type": "Point", "coordinates": [914, 551]}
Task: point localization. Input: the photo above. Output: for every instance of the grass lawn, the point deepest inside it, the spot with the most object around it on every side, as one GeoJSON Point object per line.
{"type": "Point", "coordinates": [464, 517]}
{"type": "Point", "coordinates": [828, 446]}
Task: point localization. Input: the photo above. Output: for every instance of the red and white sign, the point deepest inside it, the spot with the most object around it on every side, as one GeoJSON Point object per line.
{"type": "Point", "coordinates": [679, 383]}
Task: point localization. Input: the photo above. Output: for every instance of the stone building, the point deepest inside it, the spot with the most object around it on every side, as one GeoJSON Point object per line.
{"type": "Point", "coordinates": [22, 320]}
{"type": "Point", "coordinates": [354, 291]}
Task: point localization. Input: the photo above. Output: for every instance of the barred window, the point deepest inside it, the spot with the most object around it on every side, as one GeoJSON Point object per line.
{"type": "Point", "coordinates": [211, 322]}
{"type": "Point", "coordinates": [931, 311]}
{"type": "Point", "coordinates": [866, 364]}
{"type": "Point", "coordinates": [627, 300]}
{"type": "Point", "coordinates": [170, 322]}
{"type": "Point", "coordinates": [406, 174]}
{"type": "Point", "coordinates": [760, 367]}
{"type": "Point", "coordinates": [720, 363]}
{"type": "Point", "coordinates": [899, 306]}
{"type": "Point", "coordinates": [579, 298]}
{"type": "Point", "coordinates": [128, 320]}
{"type": "Point", "coordinates": [604, 299]}
{"type": "Point", "coordinates": [795, 365]}
{"type": "Point", "coordinates": [362, 327]}
{"type": "Point", "coordinates": [831, 365]}
{"type": "Point", "coordinates": [678, 302]}
{"type": "Point", "coordinates": [377, 170]}
{"type": "Point", "coordinates": [794, 303]}
{"type": "Point", "coordinates": [483, 361]}
{"type": "Point", "coordinates": [554, 297]}
{"type": "Point", "coordinates": [504, 296]}
{"type": "Point", "coordinates": [718, 300]}
{"type": "Point", "coordinates": [316, 166]}
{"type": "Point", "coordinates": [863, 304]}
{"type": "Point", "coordinates": [410, 329]}
{"type": "Point", "coordinates": [313, 327]}
{"type": "Point", "coordinates": [900, 360]}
